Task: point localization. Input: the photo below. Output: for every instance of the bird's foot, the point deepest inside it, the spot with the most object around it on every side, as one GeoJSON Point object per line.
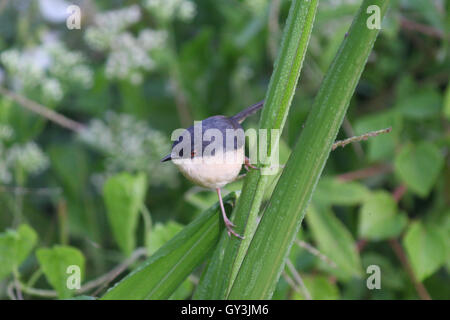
{"type": "Point", "coordinates": [232, 232]}
{"type": "Point", "coordinates": [248, 165]}
{"type": "Point", "coordinates": [229, 225]}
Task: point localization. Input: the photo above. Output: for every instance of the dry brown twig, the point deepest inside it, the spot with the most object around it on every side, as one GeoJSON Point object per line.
{"type": "Point", "coordinates": [343, 143]}
{"type": "Point", "coordinates": [314, 251]}
{"type": "Point", "coordinates": [43, 111]}
{"type": "Point", "coordinates": [99, 282]}
{"type": "Point", "coordinates": [301, 285]}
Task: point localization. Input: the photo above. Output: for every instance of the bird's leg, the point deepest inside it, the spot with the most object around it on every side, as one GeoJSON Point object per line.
{"type": "Point", "coordinates": [228, 224]}
{"type": "Point", "coordinates": [248, 165]}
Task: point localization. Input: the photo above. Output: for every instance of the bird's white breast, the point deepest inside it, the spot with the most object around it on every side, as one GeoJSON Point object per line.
{"type": "Point", "coordinates": [212, 171]}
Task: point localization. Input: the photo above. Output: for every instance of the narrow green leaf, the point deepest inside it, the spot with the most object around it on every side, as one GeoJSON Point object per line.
{"type": "Point", "coordinates": [56, 263]}
{"type": "Point", "coordinates": [335, 241]}
{"type": "Point", "coordinates": [320, 288]}
{"type": "Point", "coordinates": [425, 248]}
{"type": "Point", "coordinates": [15, 246]}
{"type": "Point", "coordinates": [124, 195]}
{"type": "Point", "coordinates": [418, 166]}
{"type": "Point", "coordinates": [219, 276]}
{"type": "Point", "coordinates": [159, 235]}
{"type": "Point", "coordinates": [392, 276]}
{"type": "Point", "coordinates": [167, 268]}
{"type": "Point", "coordinates": [184, 291]}
{"type": "Point", "coordinates": [264, 261]}
{"type": "Point", "coordinates": [379, 218]}
{"type": "Point", "coordinates": [334, 192]}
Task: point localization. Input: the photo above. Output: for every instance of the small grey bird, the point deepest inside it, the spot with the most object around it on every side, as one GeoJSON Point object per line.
{"type": "Point", "coordinates": [213, 168]}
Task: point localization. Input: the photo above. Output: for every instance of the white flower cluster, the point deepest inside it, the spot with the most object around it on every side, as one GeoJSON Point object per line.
{"type": "Point", "coordinates": [69, 65]}
{"type": "Point", "coordinates": [184, 10]}
{"type": "Point", "coordinates": [131, 145]}
{"type": "Point", "coordinates": [49, 67]}
{"type": "Point", "coordinates": [109, 24]}
{"type": "Point", "coordinates": [29, 157]}
{"type": "Point", "coordinates": [128, 55]}
{"type": "Point", "coordinates": [6, 132]}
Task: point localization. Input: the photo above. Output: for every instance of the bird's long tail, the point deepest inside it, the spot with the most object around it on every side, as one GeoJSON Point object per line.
{"type": "Point", "coordinates": [241, 116]}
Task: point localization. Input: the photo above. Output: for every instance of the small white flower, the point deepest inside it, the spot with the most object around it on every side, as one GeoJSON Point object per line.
{"type": "Point", "coordinates": [130, 144]}
{"type": "Point", "coordinates": [170, 9]}
{"type": "Point", "coordinates": [6, 132]}
{"type": "Point", "coordinates": [187, 10]}
{"type": "Point", "coordinates": [29, 157]}
{"type": "Point", "coordinates": [51, 88]}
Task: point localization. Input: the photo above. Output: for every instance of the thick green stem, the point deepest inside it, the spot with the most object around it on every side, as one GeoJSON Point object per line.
{"type": "Point", "coordinates": [266, 255]}
{"type": "Point", "coordinates": [227, 258]}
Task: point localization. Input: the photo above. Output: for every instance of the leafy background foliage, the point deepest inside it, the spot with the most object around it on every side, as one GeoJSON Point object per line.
{"type": "Point", "coordinates": [97, 196]}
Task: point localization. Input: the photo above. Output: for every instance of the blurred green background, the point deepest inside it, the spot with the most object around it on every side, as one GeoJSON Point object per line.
{"type": "Point", "coordinates": [96, 194]}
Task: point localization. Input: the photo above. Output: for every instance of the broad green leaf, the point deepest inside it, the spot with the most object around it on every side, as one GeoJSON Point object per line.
{"type": "Point", "coordinates": [379, 217]}
{"type": "Point", "coordinates": [161, 233]}
{"type": "Point", "coordinates": [167, 268]}
{"type": "Point", "coordinates": [425, 248]}
{"type": "Point", "coordinates": [227, 259]}
{"type": "Point", "coordinates": [335, 241]}
{"type": "Point", "coordinates": [420, 105]}
{"type": "Point", "coordinates": [61, 265]}
{"type": "Point", "coordinates": [418, 166]}
{"type": "Point", "coordinates": [15, 246]}
{"type": "Point", "coordinates": [124, 195]}
{"type": "Point", "coordinates": [264, 260]}
{"type": "Point", "coordinates": [383, 146]}
{"type": "Point", "coordinates": [334, 192]}
{"type": "Point", "coordinates": [320, 288]}
{"type": "Point", "coordinates": [391, 277]}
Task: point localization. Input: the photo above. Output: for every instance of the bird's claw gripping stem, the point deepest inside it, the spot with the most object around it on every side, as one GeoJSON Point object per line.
{"type": "Point", "coordinates": [248, 165]}
{"type": "Point", "coordinates": [228, 224]}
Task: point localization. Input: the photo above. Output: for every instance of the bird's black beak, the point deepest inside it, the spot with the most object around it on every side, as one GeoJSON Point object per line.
{"type": "Point", "coordinates": [166, 158]}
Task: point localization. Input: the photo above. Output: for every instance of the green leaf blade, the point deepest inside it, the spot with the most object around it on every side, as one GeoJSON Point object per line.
{"type": "Point", "coordinates": [168, 267]}
{"type": "Point", "coordinates": [418, 166]}
{"type": "Point", "coordinates": [124, 195]}
{"type": "Point", "coordinates": [379, 218]}
{"type": "Point", "coordinates": [55, 263]}
{"type": "Point", "coordinates": [15, 246]}
{"type": "Point", "coordinates": [425, 248]}
{"type": "Point", "coordinates": [335, 241]}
